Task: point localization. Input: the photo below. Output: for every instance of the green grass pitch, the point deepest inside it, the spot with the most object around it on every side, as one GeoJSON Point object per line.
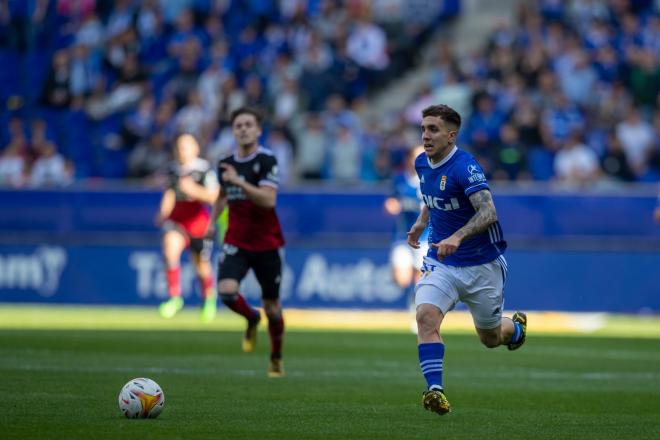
{"type": "Point", "coordinates": [62, 381]}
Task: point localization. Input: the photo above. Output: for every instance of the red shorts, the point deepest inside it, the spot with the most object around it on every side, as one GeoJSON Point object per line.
{"type": "Point", "coordinates": [192, 217]}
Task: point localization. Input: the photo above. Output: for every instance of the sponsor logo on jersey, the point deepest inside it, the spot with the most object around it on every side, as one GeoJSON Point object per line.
{"type": "Point", "coordinates": [475, 175]}
{"type": "Point", "coordinates": [273, 175]}
{"type": "Point", "coordinates": [235, 192]}
{"type": "Point", "coordinates": [440, 203]}
{"type": "Point", "coordinates": [443, 183]}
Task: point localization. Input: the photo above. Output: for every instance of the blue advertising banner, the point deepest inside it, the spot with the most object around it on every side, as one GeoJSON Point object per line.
{"type": "Point", "coordinates": [328, 278]}
{"type": "Point", "coordinates": [128, 275]}
{"type": "Point", "coordinates": [331, 215]}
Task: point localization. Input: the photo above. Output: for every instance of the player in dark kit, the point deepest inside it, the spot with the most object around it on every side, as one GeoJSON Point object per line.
{"type": "Point", "coordinates": [184, 217]}
{"type": "Point", "coordinates": [249, 181]}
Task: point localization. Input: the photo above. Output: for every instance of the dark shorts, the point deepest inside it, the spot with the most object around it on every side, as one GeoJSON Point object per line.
{"type": "Point", "coordinates": [267, 267]}
{"type": "Point", "coordinates": [201, 246]}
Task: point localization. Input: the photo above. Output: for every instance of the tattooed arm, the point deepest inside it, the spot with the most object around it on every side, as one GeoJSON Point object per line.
{"type": "Point", "coordinates": [482, 202]}
{"type": "Point", "coordinates": [485, 215]}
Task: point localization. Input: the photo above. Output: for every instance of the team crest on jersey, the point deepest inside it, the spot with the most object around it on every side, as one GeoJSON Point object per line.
{"type": "Point", "coordinates": [443, 183]}
{"type": "Point", "coordinates": [421, 180]}
{"type": "Point", "coordinates": [256, 168]}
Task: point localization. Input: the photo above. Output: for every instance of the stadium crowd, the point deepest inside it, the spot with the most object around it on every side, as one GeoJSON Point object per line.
{"type": "Point", "coordinates": [569, 91]}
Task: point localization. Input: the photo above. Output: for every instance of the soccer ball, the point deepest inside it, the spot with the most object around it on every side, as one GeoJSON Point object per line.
{"type": "Point", "coordinates": [141, 398]}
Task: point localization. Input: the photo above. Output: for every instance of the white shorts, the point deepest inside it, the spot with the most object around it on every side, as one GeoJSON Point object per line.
{"type": "Point", "coordinates": [478, 287]}
{"type": "Point", "coordinates": [402, 255]}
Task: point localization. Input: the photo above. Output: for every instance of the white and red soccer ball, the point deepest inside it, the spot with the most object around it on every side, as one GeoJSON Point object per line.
{"type": "Point", "coordinates": [141, 398]}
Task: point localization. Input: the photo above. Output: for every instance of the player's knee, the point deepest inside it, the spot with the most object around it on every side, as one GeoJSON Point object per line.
{"type": "Point", "coordinates": [171, 259]}
{"type": "Point", "coordinates": [228, 298]}
{"type": "Point", "coordinates": [273, 310]}
{"type": "Point", "coordinates": [426, 323]}
{"type": "Point", "coordinates": [274, 317]}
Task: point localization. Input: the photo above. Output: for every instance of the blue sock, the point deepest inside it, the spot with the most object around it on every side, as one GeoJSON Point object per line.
{"type": "Point", "coordinates": [517, 333]}
{"type": "Point", "coordinates": [430, 359]}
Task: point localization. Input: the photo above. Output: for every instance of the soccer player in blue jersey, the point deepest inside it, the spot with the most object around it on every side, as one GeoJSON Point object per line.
{"type": "Point", "coordinates": [404, 204]}
{"type": "Point", "coordinates": [465, 261]}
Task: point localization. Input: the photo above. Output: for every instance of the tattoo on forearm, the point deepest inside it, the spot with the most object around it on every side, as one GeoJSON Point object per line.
{"type": "Point", "coordinates": [484, 216]}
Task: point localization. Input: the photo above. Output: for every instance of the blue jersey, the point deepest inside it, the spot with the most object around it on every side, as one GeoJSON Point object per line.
{"type": "Point", "coordinates": [446, 187]}
{"type": "Point", "coordinates": [405, 188]}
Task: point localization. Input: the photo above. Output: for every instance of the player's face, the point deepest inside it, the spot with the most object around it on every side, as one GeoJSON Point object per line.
{"type": "Point", "coordinates": [246, 130]}
{"type": "Point", "coordinates": [437, 138]}
{"type": "Point", "coordinates": [187, 149]}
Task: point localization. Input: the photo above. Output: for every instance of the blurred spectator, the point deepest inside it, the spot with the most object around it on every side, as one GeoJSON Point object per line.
{"type": "Point", "coordinates": [230, 98]}
{"type": "Point", "coordinates": [164, 121]}
{"type": "Point", "coordinates": [57, 91]}
{"type": "Point", "coordinates": [255, 96]}
{"type": "Point", "coordinates": [192, 118]}
{"type": "Point", "coordinates": [223, 144]}
{"type": "Point", "coordinates": [150, 158]}
{"type": "Point", "coordinates": [511, 156]}
{"type": "Point", "coordinates": [636, 137]}
{"type": "Point", "coordinates": [645, 78]}
{"type": "Point", "coordinates": [424, 98]}
{"type": "Point", "coordinates": [186, 71]}
{"type": "Point", "coordinates": [84, 73]}
{"type": "Point", "coordinates": [287, 101]}
{"type": "Point", "coordinates": [120, 17]}
{"type": "Point", "coordinates": [456, 94]}
{"type": "Point", "coordinates": [130, 86]}
{"type": "Point", "coordinates": [367, 45]}
{"type": "Point", "coordinates": [575, 163]}
{"type": "Point", "coordinates": [482, 129]}
{"type": "Point", "coordinates": [139, 123]}
{"type": "Point", "coordinates": [337, 113]}
{"type": "Point", "coordinates": [212, 78]}
{"type": "Point", "coordinates": [49, 168]}
{"type": "Point", "coordinates": [312, 152]}
{"type": "Point", "coordinates": [345, 156]}
{"type": "Point", "coordinates": [560, 120]}
{"type": "Point", "coordinates": [614, 162]}
{"type": "Point", "coordinates": [13, 164]}
{"type": "Point", "coordinates": [576, 77]}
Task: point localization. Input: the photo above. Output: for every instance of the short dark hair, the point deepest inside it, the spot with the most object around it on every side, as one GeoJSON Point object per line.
{"type": "Point", "coordinates": [444, 112]}
{"type": "Point", "coordinates": [248, 111]}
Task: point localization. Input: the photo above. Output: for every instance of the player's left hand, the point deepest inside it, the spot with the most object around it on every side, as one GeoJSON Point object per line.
{"type": "Point", "coordinates": [229, 174]}
{"type": "Point", "coordinates": [447, 246]}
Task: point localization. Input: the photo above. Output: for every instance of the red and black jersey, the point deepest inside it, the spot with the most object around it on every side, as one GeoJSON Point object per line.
{"type": "Point", "coordinates": [192, 214]}
{"type": "Point", "coordinates": [252, 227]}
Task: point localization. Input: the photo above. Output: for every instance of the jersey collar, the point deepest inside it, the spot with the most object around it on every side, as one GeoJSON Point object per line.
{"type": "Point", "coordinates": [445, 160]}
{"type": "Point", "coordinates": [247, 158]}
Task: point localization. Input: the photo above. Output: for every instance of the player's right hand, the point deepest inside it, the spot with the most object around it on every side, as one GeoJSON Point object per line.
{"type": "Point", "coordinates": [414, 234]}
{"type": "Point", "coordinates": [210, 231]}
